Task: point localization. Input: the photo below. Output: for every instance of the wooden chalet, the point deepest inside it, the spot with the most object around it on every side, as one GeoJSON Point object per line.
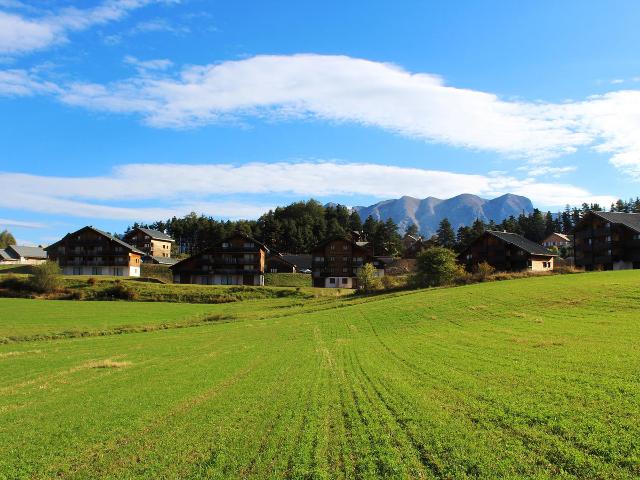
{"type": "Point", "coordinates": [507, 252]}
{"type": "Point", "coordinates": [90, 251]}
{"type": "Point", "coordinates": [337, 261]}
{"type": "Point", "coordinates": [152, 242]}
{"type": "Point", "coordinates": [237, 260]}
{"type": "Point", "coordinates": [607, 241]}
{"type": "Point", "coordinates": [557, 240]}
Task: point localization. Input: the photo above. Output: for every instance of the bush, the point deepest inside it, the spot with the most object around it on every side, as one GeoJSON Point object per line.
{"type": "Point", "coordinates": [119, 291]}
{"type": "Point", "coordinates": [367, 279]}
{"type": "Point", "coordinates": [391, 282]}
{"type": "Point", "coordinates": [91, 281]}
{"type": "Point", "coordinates": [436, 266]}
{"type": "Point", "coordinates": [46, 278]}
{"type": "Point", "coordinates": [483, 271]}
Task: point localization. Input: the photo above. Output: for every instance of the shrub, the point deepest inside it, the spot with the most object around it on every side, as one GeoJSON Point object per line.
{"type": "Point", "coordinates": [436, 266]}
{"type": "Point", "coordinates": [391, 282]}
{"type": "Point", "coordinates": [120, 291]}
{"type": "Point", "coordinates": [46, 278]}
{"type": "Point", "coordinates": [14, 283]}
{"type": "Point", "coordinates": [483, 271]}
{"type": "Point", "coordinates": [367, 279]}
{"type": "Point", "coordinates": [91, 281]}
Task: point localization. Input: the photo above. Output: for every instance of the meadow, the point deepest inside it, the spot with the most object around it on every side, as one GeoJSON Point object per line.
{"type": "Point", "coordinates": [529, 378]}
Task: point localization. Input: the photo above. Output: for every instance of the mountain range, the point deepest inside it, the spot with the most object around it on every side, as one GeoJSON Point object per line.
{"type": "Point", "coordinates": [461, 210]}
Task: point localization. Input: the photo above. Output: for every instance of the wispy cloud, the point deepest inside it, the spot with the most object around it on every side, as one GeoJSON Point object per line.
{"type": "Point", "coordinates": [179, 189]}
{"type": "Point", "coordinates": [22, 34]}
{"type": "Point", "coordinates": [5, 222]}
{"type": "Point", "coordinates": [547, 170]}
{"type": "Point", "coordinates": [345, 89]}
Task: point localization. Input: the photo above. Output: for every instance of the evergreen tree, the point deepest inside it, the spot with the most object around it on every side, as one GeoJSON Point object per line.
{"type": "Point", "coordinates": [6, 239]}
{"type": "Point", "coordinates": [446, 235]}
{"type": "Point", "coordinates": [412, 229]}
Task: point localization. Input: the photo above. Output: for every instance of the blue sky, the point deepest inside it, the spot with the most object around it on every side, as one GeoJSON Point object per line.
{"type": "Point", "coordinates": [123, 110]}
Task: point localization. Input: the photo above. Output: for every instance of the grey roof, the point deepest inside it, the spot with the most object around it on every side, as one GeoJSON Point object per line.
{"type": "Point", "coordinates": [156, 234]}
{"type": "Point", "coordinates": [163, 260]}
{"type": "Point", "coordinates": [629, 220]}
{"type": "Point", "coordinates": [7, 256]}
{"type": "Point", "coordinates": [28, 252]}
{"type": "Point", "coordinates": [523, 243]}
{"type": "Point", "coordinates": [301, 261]}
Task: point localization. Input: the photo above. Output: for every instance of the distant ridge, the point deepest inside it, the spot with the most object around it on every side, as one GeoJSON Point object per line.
{"type": "Point", "coordinates": [461, 210]}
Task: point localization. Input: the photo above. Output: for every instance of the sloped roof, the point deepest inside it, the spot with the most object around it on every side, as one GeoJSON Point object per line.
{"type": "Point", "coordinates": [301, 261]}
{"type": "Point", "coordinates": [28, 252]}
{"type": "Point", "coordinates": [105, 234]}
{"type": "Point", "coordinates": [522, 243]}
{"type": "Point", "coordinates": [162, 260]}
{"type": "Point", "coordinates": [156, 234]}
{"type": "Point", "coordinates": [629, 220]}
{"type": "Point", "coordinates": [7, 255]}
{"type": "Point", "coordinates": [207, 250]}
{"type": "Point", "coordinates": [566, 238]}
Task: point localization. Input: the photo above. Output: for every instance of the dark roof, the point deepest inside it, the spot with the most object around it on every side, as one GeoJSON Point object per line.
{"type": "Point", "coordinates": [522, 243]}
{"type": "Point", "coordinates": [7, 256]}
{"type": "Point", "coordinates": [629, 220]}
{"type": "Point", "coordinates": [108, 235]}
{"type": "Point", "coordinates": [28, 252]}
{"type": "Point", "coordinates": [301, 261]}
{"type": "Point", "coordinates": [160, 260]}
{"type": "Point", "coordinates": [156, 234]}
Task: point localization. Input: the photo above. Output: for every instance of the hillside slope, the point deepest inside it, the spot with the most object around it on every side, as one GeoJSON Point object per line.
{"type": "Point", "coordinates": [470, 382]}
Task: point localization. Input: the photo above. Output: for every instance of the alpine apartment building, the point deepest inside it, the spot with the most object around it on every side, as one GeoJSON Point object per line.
{"type": "Point", "coordinates": [608, 241]}
{"type": "Point", "coordinates": [237, 260]}
{"type": "Point", "coordinates": [90, 251]}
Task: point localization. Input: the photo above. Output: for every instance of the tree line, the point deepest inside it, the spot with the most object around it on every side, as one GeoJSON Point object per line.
{"type": "Point", "coordinates": [298, 227]}
{"type": "Point", "coordinates": [295, 228]}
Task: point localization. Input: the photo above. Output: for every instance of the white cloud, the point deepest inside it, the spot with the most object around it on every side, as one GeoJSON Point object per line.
{"type": "Point", "coordinates": [344, 89]}
{"type": "Point", "coordinates": [146, 65]}
{"type": "Point", "coordinates": [20, 34]}
{"type": "Point", "coordinates": [179, 189]}
{"type": "Point", "coordinates": [547, 170]}
{"type": "Point", "coordinates": [5, 222]}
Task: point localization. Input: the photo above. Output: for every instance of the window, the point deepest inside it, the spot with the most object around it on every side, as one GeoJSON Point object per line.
{"type": "Point", "coordinates": [608, 238]}
{"type": "Point", "coordinates": [274, 270]}
{"type": "Point", "coordinates": [96, 271]}
{"type": "Point", "coordinates": [77, 270]}
{"type": "Point", "coordinates": [469, 256]}
{"type": "Point", "coordinates": [332, 247]}
{"type": "Point", "coordinates": [609, 252]}
{"type": "Point", "coordinates": [345, 247]}
{"type": "Point", "coordinates": [589, 241]}
{"type": "Point", "coordinates": [332, 281]}
{"type": "Point", "coordinates": [117, 272]}
{"type": "Point", "coordinates": [248, 267]}
{"type": "Point", "coordinates": [635, 237]}
{"type": "Point", "coordinates": [249, 244]}
{"type": "Point", "coordinates": [345, 270]}
{"type": "Point", "coordinates": [225, 244]}
{"type": "Point", "coordinates": [332, 259]}
{"type": "Point", "coordinates": [345, 281]}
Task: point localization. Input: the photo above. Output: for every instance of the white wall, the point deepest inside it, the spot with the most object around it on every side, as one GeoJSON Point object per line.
{"type": "Point", "coordinates": [338, 282]}
{"type": "Point", "coordinates": [119, 271]}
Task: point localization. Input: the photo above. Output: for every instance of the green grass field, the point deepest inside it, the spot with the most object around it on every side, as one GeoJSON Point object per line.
{"type": "Point", "coordinates": [527, 378]}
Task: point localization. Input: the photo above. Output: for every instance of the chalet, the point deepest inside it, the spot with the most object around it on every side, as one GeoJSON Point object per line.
{"type": "Point", "coordinates": [90, 251]}
{"type": "Point", "coordinates": [507, 252]}
{"type": "Point", "coordinates": [152, 242]}
{"type": "Point", "coordinates": [337, 261]}
{"type": "Point", "coordinates": [558, 240]}
{"type": "Point", "coordinates": [607, 241]}
{"type": "Point", "coordinates": [22, 255]}
{"type": "Point", "coordinates": [414, 245]}
{"type": "Point", "coordinates": [237, 260]}
{"type": "Point", "coordinates": [276, 263]}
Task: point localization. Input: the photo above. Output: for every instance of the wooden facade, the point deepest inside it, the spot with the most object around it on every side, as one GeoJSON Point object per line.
{"type": "Point", "coordinates": [506, 252]}
{"type": "Point", "coordinates": [90, 251]}
{"type": "Point", "coordinates": [336, 263]}
{"type": "Point", "coordinates": [237, 260]}
{"type": "Point", "coordinates": [607, 241]}
{"type": "Point", "coordinates": [276, 263]}
{"type": "Point", "coordinates": [152, 242]}
{"type": "Point", "coordinates": [557, 240]}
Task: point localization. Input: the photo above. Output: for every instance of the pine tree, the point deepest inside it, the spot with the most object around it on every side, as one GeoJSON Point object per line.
{"type": "Point", "coordinates": [446, 235]}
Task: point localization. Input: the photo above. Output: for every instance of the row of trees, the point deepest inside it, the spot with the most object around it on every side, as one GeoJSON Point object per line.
{"type": "Point", "coordinates": [295, 228]}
